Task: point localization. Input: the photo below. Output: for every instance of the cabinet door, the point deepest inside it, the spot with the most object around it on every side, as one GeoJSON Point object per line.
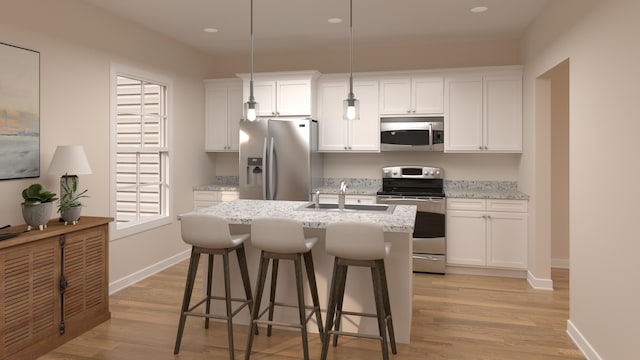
{"type": "Point", "coordinates": [427, 95]}
{"type": "Point", "coordinates": [503, 113]}
{"type": "Point", "coordinates": [332, 126]}
{"type": "Point", "coordinates": [234, 113]}
{"type": "Point", "coordinates": [29, 295]}
{"type": "Point", "coordinates": [507, 240]}
{"type": "Point", "coordinates": [85, 269]}
{"type": "Point", "coordinates": [466, 243]}
{"type": "Point", "coordinates": [293, 97]}
{"type": "Point", "coordinates": [463, 125]}
{"type": "Point", "coordinates": [216, 114]}
{"type": "Point", "coordinates": [364, 134]}
{"type": "Point", "coordinates": [264, 92]}
{"type": "Point", "coordinates": [395, 96]}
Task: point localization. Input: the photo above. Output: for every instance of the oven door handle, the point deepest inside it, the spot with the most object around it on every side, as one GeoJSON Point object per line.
{"type": "Point", "coordinates": [402, 199]}
{"type": "Point", "coordinates": [426, 257]}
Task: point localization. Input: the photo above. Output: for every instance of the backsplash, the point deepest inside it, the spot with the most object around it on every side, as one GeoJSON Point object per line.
{"type": "Point", "coordinates": [480, 185]}
{"type": "Point", "coordinates": [352, 182]}
{"type": "Point", "coordinates": [227, 180]}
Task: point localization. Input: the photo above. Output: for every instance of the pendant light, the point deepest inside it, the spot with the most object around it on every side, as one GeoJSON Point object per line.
{"type": "Point", "coordinates": [251, 106]}
{"type": "Point", "coordinates": [351, 104]}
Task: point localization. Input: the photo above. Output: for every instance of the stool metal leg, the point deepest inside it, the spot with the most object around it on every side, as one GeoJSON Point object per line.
{"type": "Point", "coordinates": [377, 290]}
{"type": "Point", "coordinates": [227, 294]}
{"type": "Point", "coordinates": [188, 289]}
{"type": "Point", "coordinates": [262, 276]}
{"type": "Point", "coordinates": [340, 300]}
{"type": "Point", "coordinates": [272, 295]}
{"type": "Point", "coordinates": [301, 306]}
{"type": "Point", "coordinates": [244, 273]}
{"type": "Point", "coordinates": [209, 281]}
{"type": "Point", "coordinates": [387, 305]}
{"type": "Point", "coordinates": [313, 286]}
{"type": "Point", "coordinates": [331, 307]}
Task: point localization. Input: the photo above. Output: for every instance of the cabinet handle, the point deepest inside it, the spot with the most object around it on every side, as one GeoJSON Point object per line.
{"type": "Point", "coordinates": [480, 147]}
{"type": "Point", "coordinates": [486, 148]}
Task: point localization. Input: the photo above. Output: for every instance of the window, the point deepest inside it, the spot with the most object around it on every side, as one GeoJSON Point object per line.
{"type": "Point", "coordinates": [140, 152]}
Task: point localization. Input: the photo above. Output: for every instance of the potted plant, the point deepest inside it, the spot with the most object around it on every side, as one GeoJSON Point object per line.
{"type": "Point", "coordinates": [70, 206]}
{"type": "Point", "coordinates": [37, 206]}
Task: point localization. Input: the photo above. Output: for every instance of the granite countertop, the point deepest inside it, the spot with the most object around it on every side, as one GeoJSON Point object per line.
{"type": "Point", "coordinates": [244, 211]}
{"type": "Point", "coordinates": [216, 187]}
{"type": "Point", "coordinates": [351, 190]}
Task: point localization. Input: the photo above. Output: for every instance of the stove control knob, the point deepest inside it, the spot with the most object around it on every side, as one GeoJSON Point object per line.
{"type": "Point", "coordinates": [431, 173]}
{"type": "Point", "coordinates": [437, 172]}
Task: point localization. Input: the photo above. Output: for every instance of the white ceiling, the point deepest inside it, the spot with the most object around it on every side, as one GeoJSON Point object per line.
{"type": "Point", "coordinates": [295, 25]}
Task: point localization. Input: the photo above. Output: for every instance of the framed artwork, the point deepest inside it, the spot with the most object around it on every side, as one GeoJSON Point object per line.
{"type": "Point", "coordinates": [19, 112]}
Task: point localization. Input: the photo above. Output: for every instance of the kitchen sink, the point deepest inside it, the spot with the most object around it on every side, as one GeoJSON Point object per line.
{"type": "Point", "coordinates": [375, 208]}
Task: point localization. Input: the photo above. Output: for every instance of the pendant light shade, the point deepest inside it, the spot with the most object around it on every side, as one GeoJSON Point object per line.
{"type": "Point", "coordinates": [351, 104]}
{"type": "Point", "coordinates": [251, 106]}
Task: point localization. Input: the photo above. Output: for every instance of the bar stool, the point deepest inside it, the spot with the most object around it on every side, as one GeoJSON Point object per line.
{"type": "Point", "coordinates": [358, 244]}
{"type": "Point", "coordinates": [280, 238]}
{"type": "Point", "coordinates": [209, 234]}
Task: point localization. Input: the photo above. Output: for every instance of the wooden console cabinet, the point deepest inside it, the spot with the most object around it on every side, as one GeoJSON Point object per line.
{"type": "Point", "coordinates": [53, 285]}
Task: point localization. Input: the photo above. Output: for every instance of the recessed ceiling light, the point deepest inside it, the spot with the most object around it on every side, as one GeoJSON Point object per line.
{"type": "Point", "coordinates": [335, 20]}
{"type": "Point", "coordinates": [479, 9]}
{"type": "Point", "coordinates": [210, 30]}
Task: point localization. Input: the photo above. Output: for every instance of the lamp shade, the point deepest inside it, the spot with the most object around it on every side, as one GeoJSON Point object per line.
{"type": "Point", "coordinates": [69, 159]}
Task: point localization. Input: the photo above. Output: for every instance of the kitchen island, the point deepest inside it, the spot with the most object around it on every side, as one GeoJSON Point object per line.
{"type": "Point", "coordinates": [398, 227]}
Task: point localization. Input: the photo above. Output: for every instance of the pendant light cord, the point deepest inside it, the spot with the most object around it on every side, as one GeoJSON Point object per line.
{"type": "Point", "coordinates": [251, 98]}
{"type": "Point", "coordinates": [351, 49]}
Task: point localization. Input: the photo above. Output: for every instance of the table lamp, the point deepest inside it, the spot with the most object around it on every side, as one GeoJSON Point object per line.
{"type": "Point", "coordinates": [69, 161]}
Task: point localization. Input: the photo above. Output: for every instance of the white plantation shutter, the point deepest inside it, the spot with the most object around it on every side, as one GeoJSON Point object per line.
{"type": "Point", "coordinates": [141, 156]}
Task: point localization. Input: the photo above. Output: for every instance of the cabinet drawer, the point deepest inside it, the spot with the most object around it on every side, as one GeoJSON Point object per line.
{"type": "Point", "coordinates": [507, 205]}
{"type": "Point", "coordinates": [466, 204]}
{"type": "Point", "coordinates": [206, 195]}
{"type": "Point", "coordinates": [360, 199]}
{"type": "Point", "coordinates": [228, 195]}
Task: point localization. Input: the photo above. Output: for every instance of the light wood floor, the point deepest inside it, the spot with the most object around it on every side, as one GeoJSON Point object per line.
{"type": "Point", "coordinates": [454, 317]}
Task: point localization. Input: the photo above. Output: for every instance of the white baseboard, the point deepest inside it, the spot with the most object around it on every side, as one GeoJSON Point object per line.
{"type": "Point", "coordinates": [581, 342]}
{"type": "Point", "coordinates": [467, 270]}
{"type": "Point", "coordinates": [560, 263]}
{"type": "Point", "coordinates": [539, 284]}
{"type": "Point", "coordinates": [131, 279]}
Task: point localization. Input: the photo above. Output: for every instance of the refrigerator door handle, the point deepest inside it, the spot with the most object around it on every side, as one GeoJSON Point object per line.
{"type": "Point", "coordinates": [264, 176]}
{"type": "Point", "coordinates": [273, 177]}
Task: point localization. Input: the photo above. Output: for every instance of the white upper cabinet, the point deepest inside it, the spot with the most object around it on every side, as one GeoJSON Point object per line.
{"type": "Point", "coordinates": [283, 93]}
{"type": "Point", "coordinates": [223, 111]}
{"type": "Point", "coordinates": [339, 135]}
{"type": "Point", "coordinates": [483, 112]}
{"type": "Point", "coordinates": [417, 95]}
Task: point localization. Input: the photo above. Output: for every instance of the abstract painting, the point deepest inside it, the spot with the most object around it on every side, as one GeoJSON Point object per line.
{"type": "Point", "coordinates": [19, 112]}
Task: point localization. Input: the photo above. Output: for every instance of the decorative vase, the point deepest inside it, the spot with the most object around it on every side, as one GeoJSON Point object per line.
{"type": "Point", "coordinates": [37, 216]}
{"type": "Point", "coordinates": [71, 215]}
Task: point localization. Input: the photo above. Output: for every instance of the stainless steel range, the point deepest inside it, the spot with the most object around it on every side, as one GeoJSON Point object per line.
{"type": "Point", "coordinates": [421, 186]}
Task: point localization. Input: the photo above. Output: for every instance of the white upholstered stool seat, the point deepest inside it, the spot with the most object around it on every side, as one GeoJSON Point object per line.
{"type": "Point", "coordinates": [209, 234]}
{"type": "Point", "coordinates": [358, 244]}
{"type": "Point", "coordinates": [283, 239]}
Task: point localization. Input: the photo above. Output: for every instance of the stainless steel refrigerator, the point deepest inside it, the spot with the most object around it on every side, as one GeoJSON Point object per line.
{"type": "Point", "coordinates": [279, 159]}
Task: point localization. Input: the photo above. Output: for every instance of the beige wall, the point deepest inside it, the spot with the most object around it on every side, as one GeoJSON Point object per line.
{"type": "Point", "coordinates": [77, 44]}
{"type": "Point", "coordinates": [559, 77]}
{"type": "Point", "coordinates": [596, 37]}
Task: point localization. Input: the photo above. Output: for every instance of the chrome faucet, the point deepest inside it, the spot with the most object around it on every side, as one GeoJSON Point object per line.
{"type": "Point", "coordinates": [341, 195]}
{"type": "Point", "coordinates": [317, 199]}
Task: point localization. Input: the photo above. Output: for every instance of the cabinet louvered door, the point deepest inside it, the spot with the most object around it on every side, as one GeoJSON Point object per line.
{"type": "Point", "coordinates": [85, 272]}
{"type": "Point", "coordinates": [29, 301]}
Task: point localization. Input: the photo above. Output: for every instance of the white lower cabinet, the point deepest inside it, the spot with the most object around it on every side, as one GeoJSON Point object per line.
{"type": "Point", "coordinates": [348, 199]}
{"type": "Point", "coordinates": [207, 198]}
{"type": "Point", "coordinates": [487, 233]}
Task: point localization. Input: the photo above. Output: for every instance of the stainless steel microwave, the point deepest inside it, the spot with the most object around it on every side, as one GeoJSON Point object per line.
{"type": "Point", "coordinates": [412, 133]}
